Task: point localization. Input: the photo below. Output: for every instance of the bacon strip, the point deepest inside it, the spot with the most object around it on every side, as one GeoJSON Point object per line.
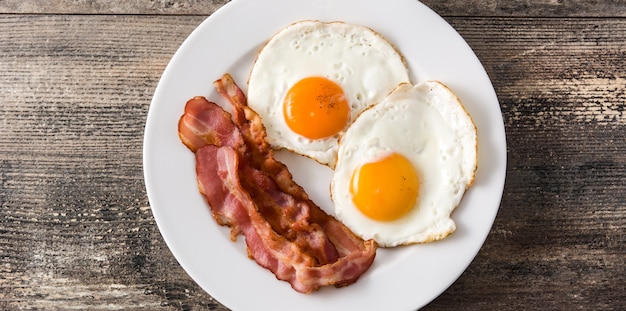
{"type": "Point", "coordinates": [204, 123]}
{"type": "Point", "coordinates": [253, 131]}
{"type": "Point", "coordinates": [253, 193]}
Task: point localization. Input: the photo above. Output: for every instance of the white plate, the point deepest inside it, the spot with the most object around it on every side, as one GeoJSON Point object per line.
{"type": "Point", "coordinates": [405, 278]}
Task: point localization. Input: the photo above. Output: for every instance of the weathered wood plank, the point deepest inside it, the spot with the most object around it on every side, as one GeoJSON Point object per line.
{"type": "Point", "coordinates": [528, 8]}
{"type": "Point", "coordinates": [75, 226]}
{"type": "Point", "coordinates": [558, 241]}
{"type": "Point", "coordinates": [76, 230]}
{"type": "Point", "coordinates": [192, 7]}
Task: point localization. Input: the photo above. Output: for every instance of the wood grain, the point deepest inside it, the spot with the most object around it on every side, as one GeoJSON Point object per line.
{"type": "Point", "coordinates": [474, 8]}
{"type": "Point", "coordinates": [76, 228]}
{"type": "Point", "coordinates": [558, 242]}
{"type": "Point", "coordinates": [169, 7]}
{"type": "Point", "coordinates": [76, 231]}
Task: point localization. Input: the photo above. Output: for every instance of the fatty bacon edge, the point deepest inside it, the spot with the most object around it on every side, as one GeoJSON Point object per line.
{"type": "Point", "coordinates": [255, 195]}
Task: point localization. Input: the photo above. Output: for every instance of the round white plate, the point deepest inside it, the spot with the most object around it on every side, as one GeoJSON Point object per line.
{"type": "Point", "coordinates": [404, 278]}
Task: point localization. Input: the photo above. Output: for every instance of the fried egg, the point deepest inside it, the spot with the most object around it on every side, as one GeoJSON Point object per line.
{"type": "Point", "coordinates": [404, 165]}
{"type": "Point", "coordinates": [311, 80]}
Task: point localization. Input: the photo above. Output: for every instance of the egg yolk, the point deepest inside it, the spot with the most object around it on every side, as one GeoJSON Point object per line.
{"type": "Point", "coordinates": [315, 108]}
{"type": "Point", "coordinates": [385, 190]}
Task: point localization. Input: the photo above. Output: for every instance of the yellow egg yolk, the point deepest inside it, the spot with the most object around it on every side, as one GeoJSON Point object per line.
{"type": "Point", "coordinates": [315, 108]}
{"type": "Point", "coordinates": [385, 190]}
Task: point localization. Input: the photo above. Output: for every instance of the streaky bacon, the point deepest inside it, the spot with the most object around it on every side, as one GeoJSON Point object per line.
{"type": "Point", "coordinates": [253, 193]}
{"type": "Point", "coordinates": [204, 123]}
{"type": "Point", "coordinates": [253, 131]}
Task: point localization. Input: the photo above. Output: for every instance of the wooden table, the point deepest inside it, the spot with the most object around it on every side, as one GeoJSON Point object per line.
{"type": "Point", "coordinates": [76, 80]}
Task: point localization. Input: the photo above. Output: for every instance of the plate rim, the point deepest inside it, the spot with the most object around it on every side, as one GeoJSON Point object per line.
{"type": "Point", "coordinates": [149, 144]}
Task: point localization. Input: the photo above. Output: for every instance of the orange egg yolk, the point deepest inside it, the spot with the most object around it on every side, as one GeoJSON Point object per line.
{"type": "Point", "coordinates": [315, 108]}
{"type": "Point", "coordinates": [385, 190]}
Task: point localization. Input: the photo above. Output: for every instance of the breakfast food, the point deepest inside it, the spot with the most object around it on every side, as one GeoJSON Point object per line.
{"type": "Point", "coordinates": [404, 165]}
{"type": "Point", "coordinates": [251, 192]}
{"type": "Point", "coordinates": [340, 94]}
{"type": "Point", "coordinates": [312, 79]}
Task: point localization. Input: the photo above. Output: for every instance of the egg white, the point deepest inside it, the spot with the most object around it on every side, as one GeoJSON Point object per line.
{"type": "Point", "coordinates": [429, 126]}
{"type": "Point", "coordinates": [363, 63]}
